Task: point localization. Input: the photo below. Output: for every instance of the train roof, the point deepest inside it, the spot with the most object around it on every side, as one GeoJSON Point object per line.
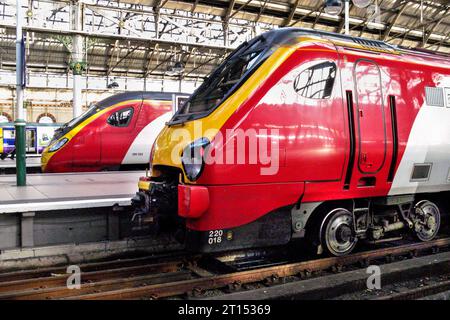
{"type": "Point", "coordinates": [136, 95]}
{"type": "Point", "coordinates": [285, 34]}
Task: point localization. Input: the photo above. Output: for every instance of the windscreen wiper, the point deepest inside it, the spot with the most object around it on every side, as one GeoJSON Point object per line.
{"type": "Point", "coordinates": [180, 119]}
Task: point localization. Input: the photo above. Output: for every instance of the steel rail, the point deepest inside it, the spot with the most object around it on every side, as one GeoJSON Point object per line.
{"type": "Point", "coordinates": [139, 278]}
{"type": "Point", "coordinates": [86, 267]}
{"type": "Point", "coordinates": [93, 287]}
{"type": "Point", "coordinates": [256, 275]}
{"type": "Point", "coordinates": [61, 279]}
{"type": "Point", "coordinates": [418, 292]}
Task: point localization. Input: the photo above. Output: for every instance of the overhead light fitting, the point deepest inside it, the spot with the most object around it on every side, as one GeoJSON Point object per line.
{"type": "Point", "coordinates": [333, 7]}
{"type": "Point", "coordinates": [362, 3]}
{"type": "Point", "coordinates": [178, 67]}
{"type": "Point", "coordinates": [113, 85]}
{"type": "Point", "coordinates": [175, 69]}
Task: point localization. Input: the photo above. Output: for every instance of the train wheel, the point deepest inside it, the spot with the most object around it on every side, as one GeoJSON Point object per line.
{"type": "Point", "coordinates": [337, 232]}
{"type": "Point", "coordinates": [427, 220]}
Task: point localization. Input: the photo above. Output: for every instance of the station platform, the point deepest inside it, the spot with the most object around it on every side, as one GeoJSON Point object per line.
{"type": "Point", "coordinates": [61, 208]}
{"type": "Point", "coordinates": [67, 191]}
{"type": "Point", "coordinates": [8, 165]}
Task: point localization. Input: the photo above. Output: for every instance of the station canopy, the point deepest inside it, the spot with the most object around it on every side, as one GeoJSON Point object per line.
{"type": "Point", "coordinates": [186, 39]}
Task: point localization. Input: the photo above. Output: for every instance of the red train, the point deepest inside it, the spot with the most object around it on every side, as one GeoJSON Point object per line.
{"type": "Point", "coordinates": [304, 134]}
{"type": "Point", "coordinates": [115, 133]}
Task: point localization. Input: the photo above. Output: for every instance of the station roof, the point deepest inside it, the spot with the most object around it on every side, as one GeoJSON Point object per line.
{"type": "Point", "coordinates": [188, 38]}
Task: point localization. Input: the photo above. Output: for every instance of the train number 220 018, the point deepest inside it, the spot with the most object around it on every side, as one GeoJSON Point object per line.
{"type": "Point", "coordinates": [215, 236]}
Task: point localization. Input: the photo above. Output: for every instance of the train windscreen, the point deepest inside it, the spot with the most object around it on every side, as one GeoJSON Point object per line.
{"type": "Point", "coordinates": [224, 80]}
{"type": "Point", "coordinates": [94, 108]}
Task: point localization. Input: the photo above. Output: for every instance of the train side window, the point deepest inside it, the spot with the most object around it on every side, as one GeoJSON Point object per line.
{"type": "Point", "coordinates": [121, 118]}
{"type": "Point", "coordinates": [317, 81]}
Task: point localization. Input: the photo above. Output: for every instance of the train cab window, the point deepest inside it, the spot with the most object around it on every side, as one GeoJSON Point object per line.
{"type": "Point", "coordinates": [121, 118]}
{"type": "Point", "coordinates": [225, 79]}
{"type": "Point", "coordinates": [317, 81]}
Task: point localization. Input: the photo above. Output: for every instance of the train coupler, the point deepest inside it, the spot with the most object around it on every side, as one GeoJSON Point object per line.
{"type": "Point", "coordinates": [142, 217]}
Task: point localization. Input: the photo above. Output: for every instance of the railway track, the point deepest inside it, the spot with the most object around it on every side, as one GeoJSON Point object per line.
{"type": "Point", "coordinates": [180, 276]}
{"type": "Point", "coordinates": [419, 293]}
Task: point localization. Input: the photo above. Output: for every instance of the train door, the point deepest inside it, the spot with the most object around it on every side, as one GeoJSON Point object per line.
{"type": "Point", "coordinates": [370, 115]}
{"type": "Point", "coordinates": [312, 117]}
{"type": "Point", "coordinates": [31, 143]}
{"type": "Point", "coordinates": [118, 133]}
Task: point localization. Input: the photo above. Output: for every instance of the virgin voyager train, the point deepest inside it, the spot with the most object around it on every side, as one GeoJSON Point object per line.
{"type": "Point", "coordinates": [359, 137]}
{"type": "Point", "coordinates": [117, 132]}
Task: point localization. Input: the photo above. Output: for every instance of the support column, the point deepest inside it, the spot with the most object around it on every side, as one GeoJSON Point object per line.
{"type": "Point", "coordinates": [20, 123]}
{"type": "Point", "coordinates": [225, 33]}
{"type": "Point", "coordinates": [77, 57]}
{"type": "Point", "coordinates": [347, 16]}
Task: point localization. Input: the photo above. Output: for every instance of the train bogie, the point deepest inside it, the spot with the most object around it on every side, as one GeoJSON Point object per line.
{"type": "Point", "coordinates": [337, 227]}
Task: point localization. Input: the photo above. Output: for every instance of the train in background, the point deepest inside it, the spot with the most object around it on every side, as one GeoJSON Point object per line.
{"type": "Point", "coordinates": [37, 135]}
{"type": "Point", "coordinates": [362, 138]}
{"type": "Point", "coordinates": [113, 134]}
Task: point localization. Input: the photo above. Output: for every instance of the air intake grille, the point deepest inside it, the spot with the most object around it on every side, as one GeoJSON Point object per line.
{"type": "Point", "coordinates": [370, 43]}
{"type": "Point", "coordinates": [434, 96]}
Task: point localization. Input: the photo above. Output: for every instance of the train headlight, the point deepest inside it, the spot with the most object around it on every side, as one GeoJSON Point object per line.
{"type": "Point", "coordinates": [58, 145]}
{"type": "Point", "coordinates": [192, 158]}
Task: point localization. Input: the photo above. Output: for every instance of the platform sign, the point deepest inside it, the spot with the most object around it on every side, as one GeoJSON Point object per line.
{"type": "Point", "coordinates": [23, 74]}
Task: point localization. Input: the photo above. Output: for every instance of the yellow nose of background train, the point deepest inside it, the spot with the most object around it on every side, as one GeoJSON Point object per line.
{"type": "Point", "coordinates": [45, 157]}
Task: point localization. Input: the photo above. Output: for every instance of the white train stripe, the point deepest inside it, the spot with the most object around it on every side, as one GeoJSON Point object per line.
{"type": "Point", "coordinates": [139, 151]}
{"type": "Point", "coordinates": [428, 142]}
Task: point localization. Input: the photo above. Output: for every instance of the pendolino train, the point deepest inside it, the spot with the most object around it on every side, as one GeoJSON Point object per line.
{"type": "Point", "coordinates": [115, 133]}
{"type": "Point", "coordinates": [362, 147]}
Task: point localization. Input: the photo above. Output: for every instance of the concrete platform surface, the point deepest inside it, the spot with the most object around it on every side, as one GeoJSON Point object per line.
{"type": "Point", "coordinates": [32, 162]}
{"type": "Point", "coordinates": [67, 191]}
